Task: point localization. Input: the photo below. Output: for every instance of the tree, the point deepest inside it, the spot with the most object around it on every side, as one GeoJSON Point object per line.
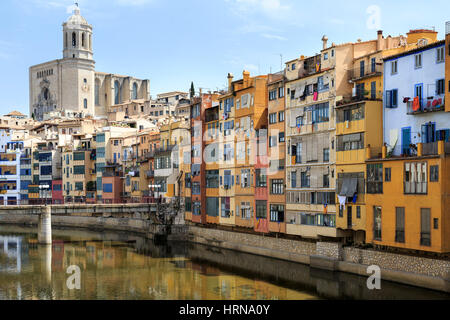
{"type": "Point", "coordinates": [192, 91]}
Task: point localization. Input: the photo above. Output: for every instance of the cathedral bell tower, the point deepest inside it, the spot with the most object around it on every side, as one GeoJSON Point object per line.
{"type": "Point", "coordinates": [77, 37]}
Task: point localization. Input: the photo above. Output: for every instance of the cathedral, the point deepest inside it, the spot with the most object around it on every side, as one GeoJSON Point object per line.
{"type": "Point", "coordinates": [71, 88]}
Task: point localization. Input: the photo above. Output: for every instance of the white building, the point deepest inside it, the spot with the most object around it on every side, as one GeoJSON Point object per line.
{"type": "Point", "coordinates": [414, 111]}
{"type": "Point", "coordinates": [70, 87]}
{"type": "Point", "coordinates": [10, 154]}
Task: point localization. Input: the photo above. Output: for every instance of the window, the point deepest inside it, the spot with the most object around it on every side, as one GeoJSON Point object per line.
{"type": "Point", "coordinates": [227, 179]}
{"type": "Point", "coordinates": [281, 116]}
{"type": "Point", "coordinates": [272, 118]}
{"type": "Point", "coordinates": [293, 67]}
{"type": "Point", "coordinates": [436, 223]}
{"type": "Point", "coordinates": [277, 213]}
{"type": "Point", "coordinates": [400, 225]}
{"type": "Point", "coordinates": [391, 98]}
{"type": "Point", "coordinates": [272, 95]}
{"type": "Point", "coordinates": [261, 178]}
{"type": "Point", "coordinates": [440, 86]}
{"type": "Point", "coordinates": [225, 211]}
{"type": "Point", "coordinates": [415, 178]}
{"type": "Point", "coordinates": [261, 209]}
{"type": "Point", "coordinates": [373, 64]}
{"type": "Point", "coordinates": [212, 179]}
{"type": "Point", "coordinates": [79, 186]}
{"type": "Point", "coordinates": [293, 179]}
{"type": "Point", "coordinates": [74, 39]}
{"type": "Point", "coordinates": [425, 227]}
{"type": "Point", "coordinates": [134, 93]}
{"type": "Point", "coordinates": [418, 61]}
{"type": "Point", "coordinates": [305, 179]}
{"type": "Point", "coordinates": [116, 92]}
{"type": "Point", "coordinates": [246, 210]}
{"type": "Point", "coordinates": [299, 121]}
{"type": "Point", "coordinates": [326, 155]}
{"type": "Point", "coordinates": [440, 52]}
{"type": "Point", "coordinates": [272, 141]}
{"type": "Point", "coordinates": [326, 180]}
{"type": "Point", "coordinates": [320, 113]}
{"type": "Point", "coordinates": [188, 204]}
{"type": "Point", "coordinates": [79, 170]}
{"type": "Point", "coordinates": [374, 178]}
{"type": "Point", "coordinates": [281, 137]}
{"type": "Point", "coordinates": [434, 173]}
{"type": "Point", "coordinates": [325, 56]}
{"type": "Point", "coordinates": [107, 188]}
{"type": "Point", "coordinates": [350, 142]}
{"type": "Point", "coordinates": [246, 178]}
{"type": "Point", "coordinates": [196, 188]}
{"type": "Point", "coordinates": [377, 223]}
{"type": "Point", "coordinates": [358, 212]}
{"type": "Point", "coordinates": [281, 92]}
{"type": "Point", "coordinates": [394, 69]}
{"type": "Point", "coordinates": [387, 174]}
{"type": "Point", "coordinates": [212, 207]}
{"type": "Point", "coordinates": [277, 186]}
{"type": "Point", "coordinates": [196, 208]}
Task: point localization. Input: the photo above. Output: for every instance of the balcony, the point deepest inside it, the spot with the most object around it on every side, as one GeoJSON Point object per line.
{"type": "Point", "coordinates": [310, 66]}
{"type": "Point", "coordinates": [150, 173]}
{"type": "Point", "coordinates": [432, 104]}
{"type": "Point", "coordinates": [430, 148]}
{"type": "Point", "coordinates": [359, 73]}
{"type": "Point", "coordinates": [366, 95]}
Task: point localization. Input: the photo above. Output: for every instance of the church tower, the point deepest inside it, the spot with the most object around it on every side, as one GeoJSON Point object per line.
{"type": "Point", "coordinates": [77, 33]}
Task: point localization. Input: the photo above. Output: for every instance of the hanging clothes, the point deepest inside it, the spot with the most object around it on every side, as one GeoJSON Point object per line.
{"type": "Point", "coordinates": [355, 197]}
{"type": "Point", "coordinates": [325, 208]}
{"type": "Point", "coordinates": [342, 201]}
{"type": "Point", "coordinates": [316, 96]}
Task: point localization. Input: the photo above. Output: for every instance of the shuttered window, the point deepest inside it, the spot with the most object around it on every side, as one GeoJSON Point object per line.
{"type": "Point", "coordinates": [425, 227]}
{"type": "Point", "coordinates": [400, 225]}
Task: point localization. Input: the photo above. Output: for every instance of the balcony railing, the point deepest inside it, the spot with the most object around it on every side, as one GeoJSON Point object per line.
{"type": "Point", "coordinates": [366, 95]}
{"type": "Point", "coordinates": [412, 187]}
{"type": "Point", "coordinates": [426, 105]}
{"type": "Point", "coordinates": [425, 239]}
{"type": "Point", "coordinates": [150, 173]}
{"type": "Point", "coordinates": [367, 71]}
{"type": "Point", "coordinates": [430, 148]}
{"type": "Point", "coordinates": [399, 236]}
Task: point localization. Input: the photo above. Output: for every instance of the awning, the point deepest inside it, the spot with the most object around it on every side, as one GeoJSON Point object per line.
{"type": "Point", "coordinates": [295, 113]}
{"type": "Point", "coordinates": [349, 187]}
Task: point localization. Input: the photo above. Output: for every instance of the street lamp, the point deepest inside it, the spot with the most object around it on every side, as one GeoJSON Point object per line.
{"type": "Point", "coordinates": [44, 187]}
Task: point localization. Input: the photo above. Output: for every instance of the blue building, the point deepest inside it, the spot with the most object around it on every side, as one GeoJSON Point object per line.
{"type": "Point", "coordinates": [414, 100]}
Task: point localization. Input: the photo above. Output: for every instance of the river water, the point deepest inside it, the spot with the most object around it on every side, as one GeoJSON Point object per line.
{"type": "Point", "coordinates": [121, 266]}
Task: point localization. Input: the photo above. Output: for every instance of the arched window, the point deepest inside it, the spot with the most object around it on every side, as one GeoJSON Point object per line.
{"type": "Point", "coordinates": [85, 103]}
{"type": "Point", "coordinates": [90, 42]}
{"type": "Point", "coordinates": [74, 39]}
{"type": "Point", "coordinates": [134, 93]}
{"type": "Point", "coordinates": [97, 92]}
{"type": "Point", "coordinates": [116, 92]}
{"type": "Point", "coordinates": [65, 40]}
{"type": "Point", "coordinates": [83, 42]}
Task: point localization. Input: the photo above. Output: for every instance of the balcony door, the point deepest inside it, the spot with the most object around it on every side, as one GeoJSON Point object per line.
{"type": "Point", "coordinates": [406, 140]}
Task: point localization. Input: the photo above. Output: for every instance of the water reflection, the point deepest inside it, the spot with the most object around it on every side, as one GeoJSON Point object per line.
{"type": "Point", "coordinates": [119, 266]}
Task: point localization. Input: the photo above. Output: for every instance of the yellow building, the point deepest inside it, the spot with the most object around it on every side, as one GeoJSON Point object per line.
{"type": "Point", "coordinates": [408, 200]}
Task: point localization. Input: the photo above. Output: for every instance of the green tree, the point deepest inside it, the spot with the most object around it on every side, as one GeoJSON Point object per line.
{"type": "Point", "coordinates": [192, 91]}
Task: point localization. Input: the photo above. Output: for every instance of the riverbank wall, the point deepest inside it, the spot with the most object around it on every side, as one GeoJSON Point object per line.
{"type": "Point", "coordinates": [406, 269]}
{"type": "Point", "coordinates": [140, 219]}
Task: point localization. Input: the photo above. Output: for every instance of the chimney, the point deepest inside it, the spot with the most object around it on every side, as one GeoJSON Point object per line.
{"type": "Point", "coordinates": [325, 42]}
{"type": "Point", "coordinates": [230, 80]}
{"type": "Point", "coordinates": [380, 40]}
{"type": "Point", "coordinates": [246, 78]}
{"type": "Point", "coordinates": [389, 42]}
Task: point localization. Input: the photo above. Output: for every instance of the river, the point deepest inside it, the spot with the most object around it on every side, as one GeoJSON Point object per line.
{"type": "Point", "coordinates": [130, 267]}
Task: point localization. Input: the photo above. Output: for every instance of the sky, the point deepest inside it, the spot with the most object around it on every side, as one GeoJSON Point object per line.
{"type": "Point", "coordinates": [174, 42]}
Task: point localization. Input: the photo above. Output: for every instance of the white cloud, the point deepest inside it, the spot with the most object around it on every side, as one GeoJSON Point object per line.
{"type": "Point", "coordinates": [274, 37]}
{"type": "Point", "coordinates": [251, 67]}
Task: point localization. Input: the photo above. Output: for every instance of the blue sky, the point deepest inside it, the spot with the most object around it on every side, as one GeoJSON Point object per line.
{"type": "Point", "coordinates": [174, 42]}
